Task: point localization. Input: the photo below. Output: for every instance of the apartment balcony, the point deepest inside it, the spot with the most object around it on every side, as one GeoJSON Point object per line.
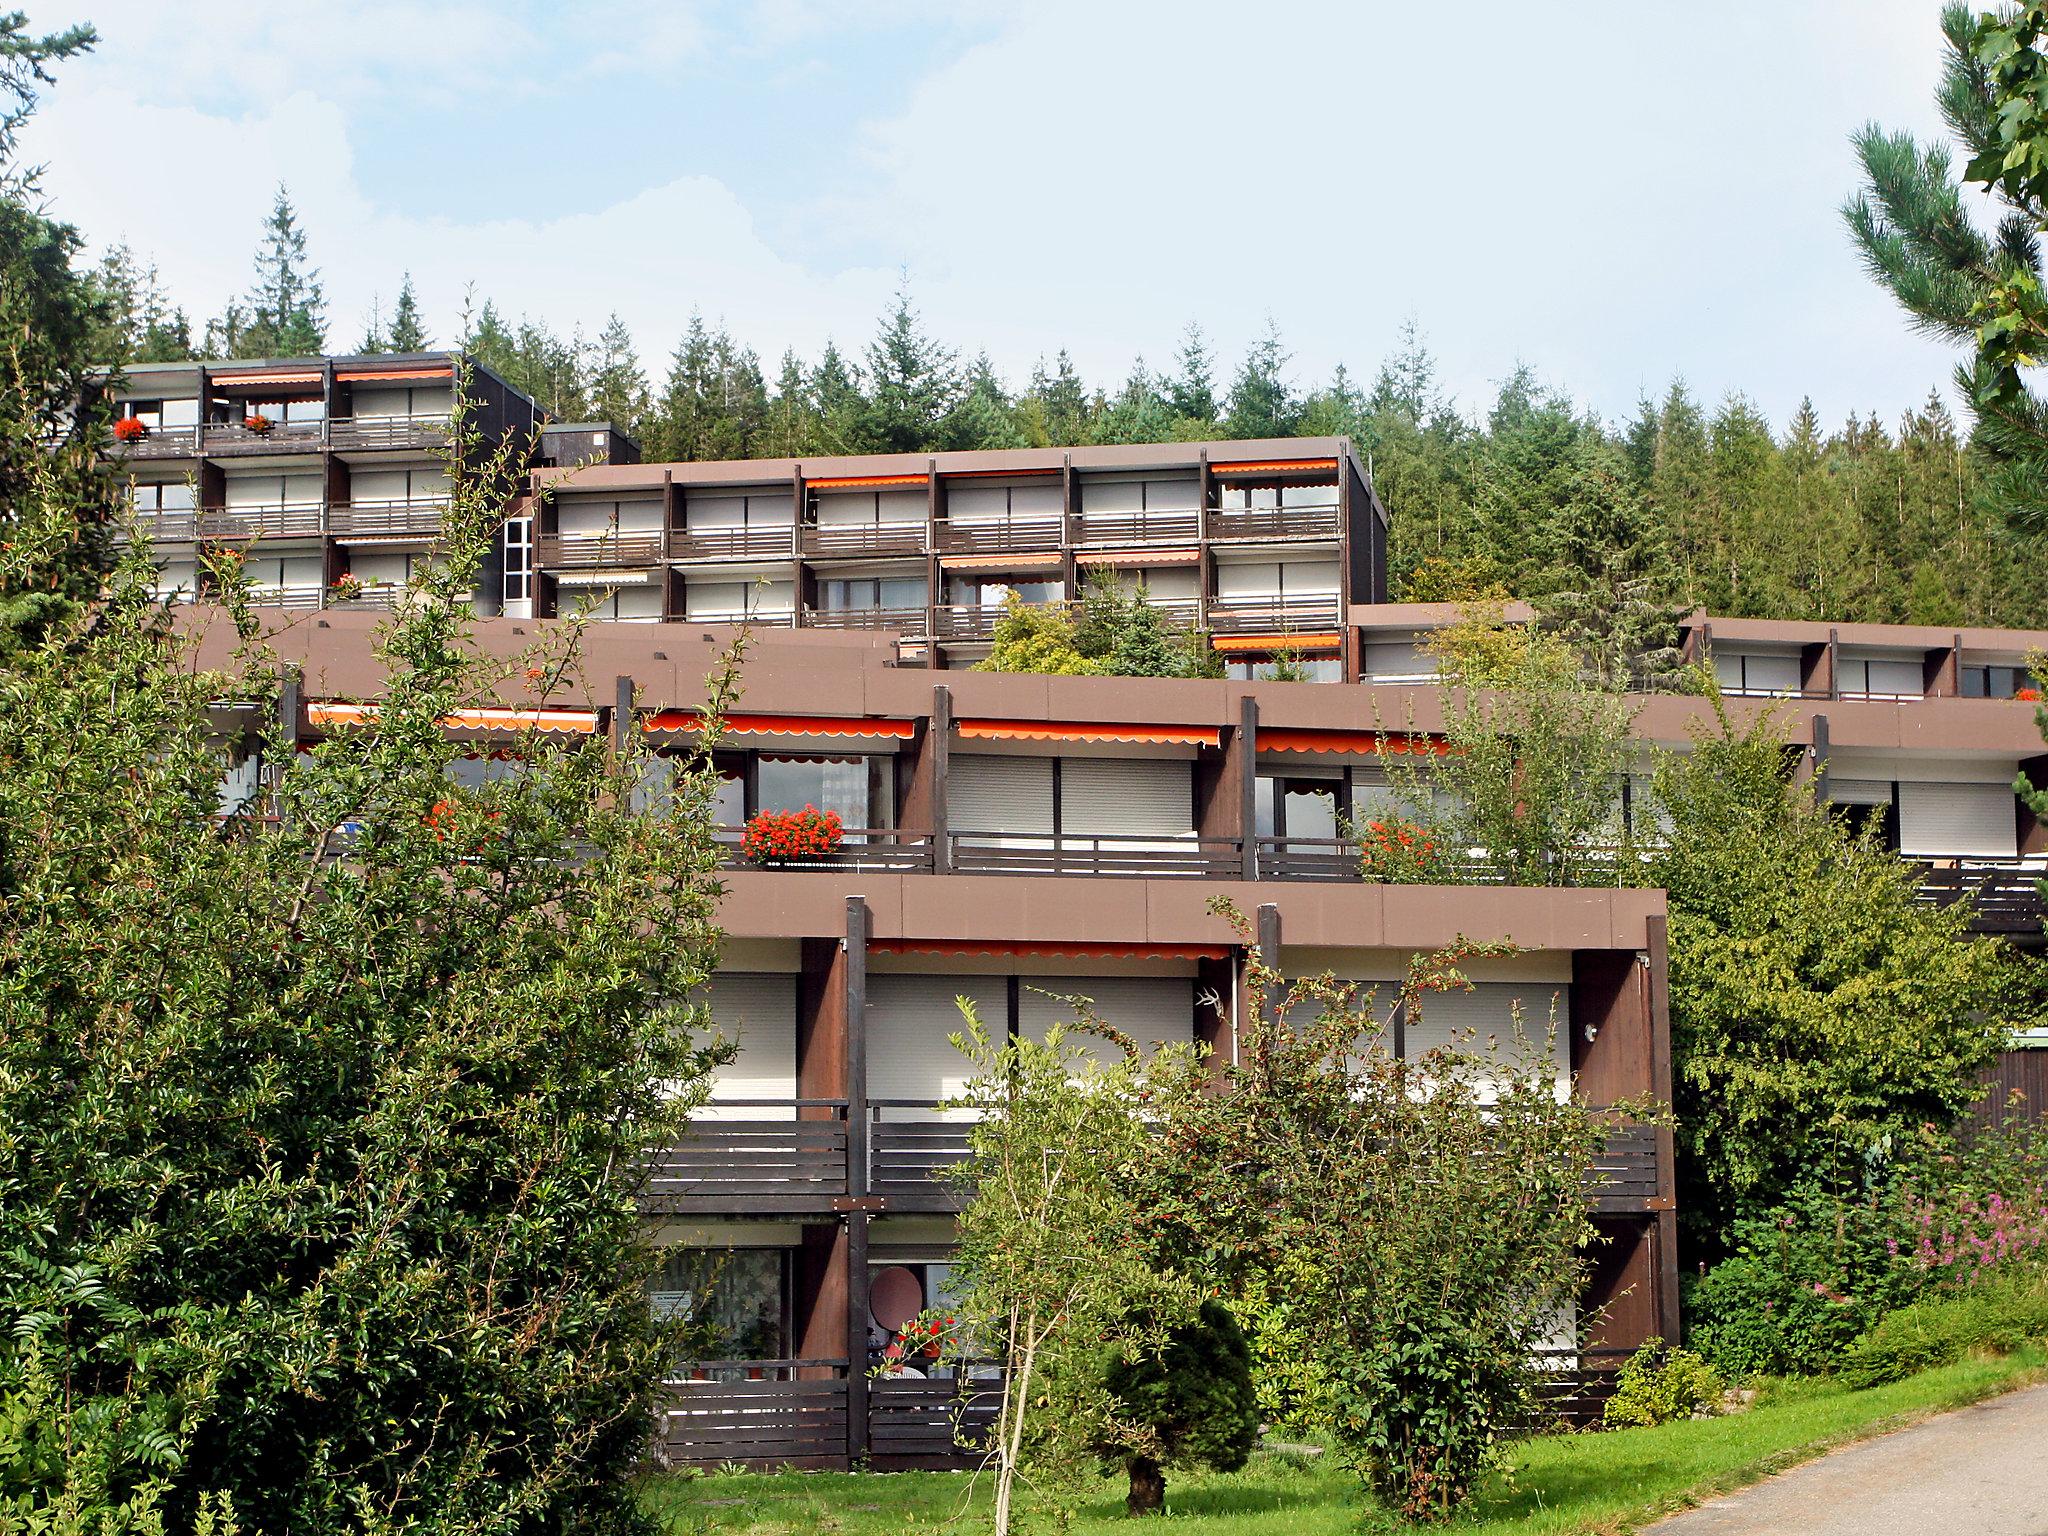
{"type": "Point", "coordinates": [1100, 854]}
{"type": "Point", "coordinates": [366, 520]}
{"type": "Point", "coordinates": [286, 520]}
{"type": "Point", "coordinates": [1001, 536]}
{"type": "Point", "coordinates": [160, 527]}
{"type": "Point", "coordinates": [792, 1158]}
{"type": "Point", "coordinates": [862, 540]}
{"type": "Point", "coordinates": [1274, 523]}
{"type": "Point", "coordinates": [160, 443]}
{"type": "Point", "coordinates": [608, 551]}
{"type": "Point", "coordinates": [1135, 528]}
{"type": "Point", "coordinates": [384, 597]}
{"type": "Point", "coordinates": [1272, 615]}
{"type": "Point", "coordinates": [234, 437]}
{"type": "Point", "coordinates": [424, 429]}
{"type": "Point", "coordinates": [772, 543]}
{"type": "Point", "coordinates": [910, 621]}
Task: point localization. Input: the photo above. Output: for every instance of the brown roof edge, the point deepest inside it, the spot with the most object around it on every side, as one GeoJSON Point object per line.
{"type": "Point", "coordinates": [1929, 637]}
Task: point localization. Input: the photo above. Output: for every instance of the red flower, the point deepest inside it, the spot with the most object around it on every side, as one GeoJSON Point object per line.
{"type": "Point", "coordinates": [131, 429]}
{"type": "Point", "coordinates": [774, 836]}
{"type": "Point", "coordinates": [2031, 695]}
{"type": "Point", "coordinates": [256, 421]}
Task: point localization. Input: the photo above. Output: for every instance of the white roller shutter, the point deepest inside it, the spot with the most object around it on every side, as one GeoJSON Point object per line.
{"type": "Point", "coordinates": [1968, 821]}
{"type": "Point", "coordinates": [977, 504]}
{"type": "Point", "coordinates": [1007, 795]}
{"type": "Point", "coordinates": [1112, 495]}
{"type": "Point", "coordinates": [379, 485]}
{"type": "Point", "coordinates": [1170, 581]}
{"type": "Point", "coordinates": [909, 1021]}
{"type": "Point", "coordinates": [705, 601]}
{"type": "Point", "coordinates": [583, 519]}
{"type": "Point", "coordinates": [640, 517]}
{"type": "Point", "coordinates": [758, 1012]}
{"type": "Point", "coordinates": [1039, 501]}
{"type": "Point", "coordinates": [900, 508]}
{"type": "Point", "coordinates": [703, 513]}
{"type": "Point", "coordinates": [252, 490]}
{"type": "Point", "coordinates": [845, 509]}
{"type": "Point", "coordinates": [1150, 1009]}
{"type": "Point", "coordinates": [379, 402]}
{"type": "Point", "coordinates": [381, 569]}
{"type": "Point", "coordinates": [640, 604]}
{"type": "Point", "coordinates": [1173, 495]}
{"type": "Point", "coordinates": [1299, 577]}
{"type": "Point", "coordinates": [1489, 1010]}
{"type": "Point", "coordinates": [177, 577]}
{"type": "Point", "coordinates": [1397, 661]}
{"type": "Point", "coordinates": [1105, 796]}
{"type": "Point", "coordinates": [1859, 791]}
{"type": "Point", "coordinates": [303, 571]}
{"type": "Point", "coordinates": [1251, 579]}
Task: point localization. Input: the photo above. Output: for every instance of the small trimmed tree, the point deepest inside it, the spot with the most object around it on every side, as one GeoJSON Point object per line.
{"type": "Point", "coordinates": [1191, 1403]}
{"type": "Point", "coordinates": [1041, 640]}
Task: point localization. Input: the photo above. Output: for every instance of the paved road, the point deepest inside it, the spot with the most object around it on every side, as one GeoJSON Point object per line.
{"type": "Point", "coordinates": [1980, 1471]}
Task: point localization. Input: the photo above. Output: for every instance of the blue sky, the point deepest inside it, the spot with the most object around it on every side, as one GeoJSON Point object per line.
{"type": "Point", "coordinates": [1614, 193]}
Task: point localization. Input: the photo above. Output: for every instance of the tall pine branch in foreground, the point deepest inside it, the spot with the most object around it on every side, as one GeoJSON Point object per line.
{"type": "Point", "coordinates": [321, 1102]}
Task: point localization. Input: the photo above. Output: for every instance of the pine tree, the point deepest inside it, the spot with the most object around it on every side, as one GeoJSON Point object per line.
{"type": "Point", "coordinates": [913, 384]}
{"type": "Point", "coordinates": [1407, 381]}
{"type": "Point", "coordinates": [1261, 404]}
{"type": "Point", "coordinates": [408, 328]}
{"type": "Point", "coordinates": [618, 387]}
{"type": "Point", "coordinates": [1058, 402]}
{"type": "Point", "coordinates": [986, 418]}
{"type": "Point", "coordinates": [1191, 387]}
{"type": "Point", "coordinates": [841, 407]}
{"type": "Point", "coordinates": [1140, 413]}
{"type": "Point", "coordinates": [141, 325]}
{"type": "Point", "coordinates": [792, 424]}
{"type": "Point", "coordinates": [286, 307]}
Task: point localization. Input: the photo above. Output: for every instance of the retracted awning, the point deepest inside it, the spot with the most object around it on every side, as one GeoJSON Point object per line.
{"type": "Point", "coordinates": [575, 722]}
{"type": "Point", "coordinates": [1084, 730]}
{"type": "Point", "coordinates": [1231, 644]}
{"type": "Point", "coordinates": [862, 482]}
{"type": "Point", "coordinates": [1073, 949]}
{"type": "Point", "coordinates": [1139, 557]}
{"type": "Point", "coordinates": [245, 380]}
{"type": "Point", "coordinates": [999, 562]}
{"type": "Point", "coordinates": [379, 375]}
{"type": "Point", "coordinates": [679, 721]}
{"type": "Point", "coordinates": [1275, 467]}
{"type": "Point", "coordinates": [1349, 743]}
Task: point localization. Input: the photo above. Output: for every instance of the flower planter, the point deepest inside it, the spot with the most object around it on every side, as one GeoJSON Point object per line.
{"type": "Point", "coordinates": [775, 838]}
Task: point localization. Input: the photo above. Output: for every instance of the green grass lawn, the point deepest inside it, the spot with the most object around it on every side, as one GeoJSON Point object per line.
{"type": "Point", "coordinates": [1592, 1483]}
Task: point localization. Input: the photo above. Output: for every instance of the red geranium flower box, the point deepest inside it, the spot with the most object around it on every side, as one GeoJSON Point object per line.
{"type": "Point", "coordinates": [781, 837]}
{"type": "Point", "coordinates": [131, 429]}
{"type": "Point", "coordinates": [257, 422]}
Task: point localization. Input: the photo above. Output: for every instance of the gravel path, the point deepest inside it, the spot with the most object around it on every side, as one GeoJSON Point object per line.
{"type": "Point", "coordinates": [1979, 1471]}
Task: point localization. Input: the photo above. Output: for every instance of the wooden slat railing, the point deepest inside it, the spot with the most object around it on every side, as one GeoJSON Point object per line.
{"type": "Point", "coordinates": [232, 436]}
{"type": "Point", "coordinates": [1162, 527]}
{"type": "Point", "coordinates": [1272, 616]}
{"type": "Point", "coordinates": [1014, 853]}
{"type": "Point", "coordinates": [570, 551]}
{"type": "Point", "coordinates": [1274, 523]}
{"type": "Point", "coordinates": [937, 1424]}
{"type": "Point", "coordinates": [421, 430]}
{"type": "Point", "coordinates": [884, 849]}
{"type": "Point", "coordinates": [793, 1413]}
{"type": "Point", "coordinates": [909, 1149]}
{"type": "Point", "coordinates": [288, 520]}
{"type": "Point", "coordinates": [160, 443]}
{"type": "Point", "coordinates": [864, 538]}
{"type": "Point", "coordinates": [2004, 898]}
{"type": "Point", "coordinates": [1001, 535]}
{"type": "Point", "coordinates": [777, 541]}
{"type": "Point", "coordinates": [387, 519]}
{"type": "Point", "coordinates": [741, 1167]}
{"type": "Point", "coordinates": [911, 621]}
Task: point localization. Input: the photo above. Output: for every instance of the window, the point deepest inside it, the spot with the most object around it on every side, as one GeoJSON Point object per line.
{"type": "Point", "coordinates": [867, 509]}
{"type": "Point", "coordinates": [993, 592]}
{"type": "Point", "coordinates": [1880, 678]}
{"type": "Point", "coordinates": [740, 1296]}
{"type": "Point", "coordinates": [1268, 498]}
{"type": "Point", "coordinates": [162, 496]}
{"type": "Point", "coordinates": [868, 592]}
{"type": "Point", "coordinates": [518, 560]}
{"type": "Point", "coordinates": [149, 412]}
{"type": "Point", "coordinates": [828, 783]}
{"type": "Point", "coordinates": [1755, 673]}
{"type": "Point", "coordinates": [1994, 682]}
{"type": "Point", "coordinates": [283, 412]}
{"type": "Point", "coordinates": [1299, 806]}
{"type": "Point", "coordinates": [403, 487]}
{"type": "Point", "coordinates": [736, 509]}
{"type": "Point", "coordinates": [1313, 669]}
{"type": "Point", "coordinates": [1042, 500]}
{"type": "Point", "coordinates": [479, 769]}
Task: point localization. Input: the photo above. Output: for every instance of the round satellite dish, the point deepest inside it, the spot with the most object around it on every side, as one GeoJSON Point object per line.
{"type": "Point", "coordinates": [895, 1296]}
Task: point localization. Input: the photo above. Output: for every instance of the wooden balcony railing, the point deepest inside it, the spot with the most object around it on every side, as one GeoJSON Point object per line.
{"type": "Point", "coordinates": [384, 597]}
{"type": "Point", "coordinates": [1001, 536]}
{"type": "Point", "coordinates": [909, 1150]}
{"type": "Point", "coordinates": [570, 551]}
{"type": "Point", "coordinates": [738, 1167]}
{"type": "Point", "coordinates": [931, 1424]}
{"type": "Point", "coordinates": [776, 542]}
{"type": "Point", "coordinates": [1014, 853]}
{"type": "Point", "coordinates": [1624, 1174]}
{"type": "Point", "coordinates": [160, 443]}
{"type": "Point", "coordinates": [290, 520]}
{"type": "Point", "coordinates": [180, 527]}
{"type": "Point", "coordinates": [1274, 523]}
{"type": "Point", "coordinates": [882, 849]}
{"type": "Point", "coordinates": [295, 598]}
{"type": "Point", "coordinates": [866, 539]}
{"type": "Point", "coordinates": [387, 519]}
{"type": "Point", "coordinates": [1140, 527]}
{"type": "Point", "coordinates": [911, 621]}
{"type": "Point", "coordinates": [1272, 616]}
{"type": "Point", "coordinates": [969, 621]}
{"type": "Point", "coordinates": [424, 429]}
{"type": "Point", "coordinates": [761, 1413]}
{"type": "Point", "coordinates": [2004, 898]}
{"type": "Point", "coordinates": [278, 437]}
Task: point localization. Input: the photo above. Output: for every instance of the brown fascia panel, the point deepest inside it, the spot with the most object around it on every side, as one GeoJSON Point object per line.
{"type": "Point", "coordinates": [1420, 616]}
{"type": "Point", "coordinates": [1899, 637]}
{"type": "Point", "coordinates": [1079, 909]}
{"type": "Point", "coordinates": [621, 477]}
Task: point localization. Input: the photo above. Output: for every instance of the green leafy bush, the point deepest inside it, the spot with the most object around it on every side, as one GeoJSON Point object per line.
{"type": "Point", "coordinates": [1999, 1315]}
{"type": "Point", "coordinates": [1188, 1403]}
{"type": "Point", "coordinates": [1659, 1385]}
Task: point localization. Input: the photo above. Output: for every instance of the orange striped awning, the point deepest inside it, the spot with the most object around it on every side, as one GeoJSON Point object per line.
{"type": "Point", "coordinates": [1071, 949]}
{"type": "Point", "coordinates": [862, 482]}
{"type": "Point", "coordinates": [1275, 467]}
{"type": "Point", "coordinates": [238, 380]}
{"type": "Point", "coordinates": [1234, 644]}
{"type": "Point", "coordinates": [376, 375]}
{"type": "Point", "coordinates": [1350, 743]}
{"type": "Point", "coordinates": [680, 720]}
{"type": "Point", "coordinates": [999, 562]}
{"type": "Point", "coordinates": [1081, 730]}
{"type": "Point", "coordinates": [576, 722]}
{"type": "Point", "coordinates": [1139, 557]}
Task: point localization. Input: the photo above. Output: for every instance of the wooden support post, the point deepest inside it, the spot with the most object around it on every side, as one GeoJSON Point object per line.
{"type": "Point", "coordinates": [622, 712]}
{"type": "Point", "coordinates": [1247, 749]}
{"type": "Point", "coordinates": [1269, 952]}
{"type": "Point", "coordinates": [939, 749]}
{"type": "Point", "coordinates": [1656, 983]}
{"type": "Point", "coordinates": [855, 1008]}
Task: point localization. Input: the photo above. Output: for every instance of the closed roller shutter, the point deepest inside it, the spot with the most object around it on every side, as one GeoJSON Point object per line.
{"type": "Point", "coordinates": [758, 1012]}
{"type": "Point", "coordinates": [1150, 1009]}
{"type": "Point", "coordinates": [1112, 495]}
{"type": "Point", "coordinates": [1106, 796]}
{"type": "Point", "coordinates": [844, 509]}
{"type": "Point", "coordinates": [643, 603]}
{"type": "Point", "coordinates": [583, 517]}
{"type": "Point", "coordinates": [1489, 1010]}
{"type": "Point", "coordinates": [1170, 582]}
{"type": "Point", "coordinates": [977, 504]}
{"type": "Point", "coordinates": [707, 512]}
{"type": "Point", "coordinates": [639, 517]}
{"type": "Point", "coordinates": [713, 600]}
{"type": "Point", "coordinates": [379, 485]}
{"type": "Point", "coordinates": [1007, 795]}
{"type": "Point", "coordinates": [1886, 679]}
{"type": "Point", "coordinates": [1397, 660]}
{"type": "Point", "coordinates": [900, 507]}
{"type": "Point", "coordinates": [1044, 500]}
{"type": "Point", "coordinates": [1173, 495]}
{"type": "Point", "coordinates": [1970, 821]}
{"type": "Point", "coordinates": [909, 1021]}
{"type": "Point", "coordinates": [1248, 580]}
{"type": "Point", "coordinates": [1298, 577]}
{"type": "Point", "coordinates": [1859, 791]}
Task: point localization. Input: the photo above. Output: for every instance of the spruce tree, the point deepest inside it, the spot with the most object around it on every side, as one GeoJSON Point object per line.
{"type": "Point", "coordinates": [985, 418]}
{"type": "Point", "coordinates": [1261, 403]}
{"type": "Point", "coordinates": [408, 329]}
{"type": "Point", "coordinates": [791, 427]}
{"type": "Point", "coordinates": [286, 307]}
{"type": "Point", "coordinates": [618, 387]}
{"type": "Point", "coordinates": [913, 384]}
{"type": "Point", "coordinates": [1191, 387]}
{"type": "Point", "coordinates": [1059, 402]}
{"type": "Point", "coordinates": [841, 407]}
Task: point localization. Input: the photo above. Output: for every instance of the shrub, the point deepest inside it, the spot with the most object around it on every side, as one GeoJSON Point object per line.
{"type": "Point", "coordinates": [1659, 1385]}
{"type": "Point", "coordinates": [775, 837]}
{"type": "Point", "coordinates": [1188, 1403]}
{"type": "Point", "coordinates": [1999, 1315]}
{"type": "Point", "coordinates": [1398, 852]}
